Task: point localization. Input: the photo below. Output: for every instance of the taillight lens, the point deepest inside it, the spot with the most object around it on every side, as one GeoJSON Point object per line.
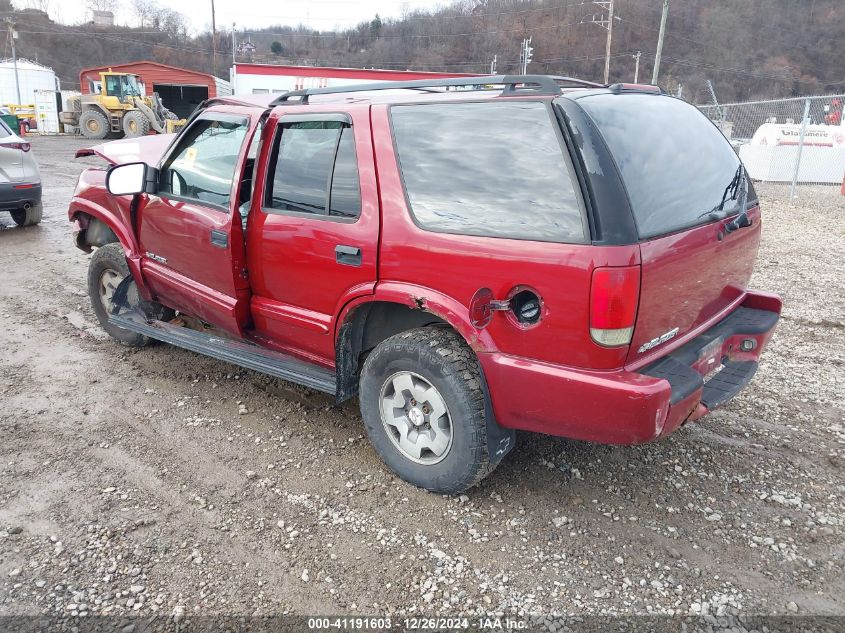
{"type": "Point", "coordinates": [21, 146]}
{"type": "Point", "coordinates": [614, 294]}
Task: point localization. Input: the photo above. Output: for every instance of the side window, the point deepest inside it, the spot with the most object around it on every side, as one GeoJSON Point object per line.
{"type": "Point", "coordinates": [345, 194]}
{"type": "Point", "coordinates": [488, 169]}
{"type": "Point", "coordinates": [313, 169]}
{"type": "Point", "coordinates": [203, 166]}
{"type": "Point", "coordinates": [113, 85]}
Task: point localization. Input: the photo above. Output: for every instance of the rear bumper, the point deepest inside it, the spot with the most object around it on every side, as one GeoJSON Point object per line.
{"type": "Point", "coordinates": [633, 407]}
{"type": "Point", "coordinates": [15, 195]}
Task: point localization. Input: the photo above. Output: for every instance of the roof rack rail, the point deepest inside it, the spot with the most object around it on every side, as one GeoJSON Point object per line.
{"type": "Point", "coordinates": [514, 85]}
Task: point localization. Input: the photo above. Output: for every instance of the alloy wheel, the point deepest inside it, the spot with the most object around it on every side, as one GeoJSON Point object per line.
{"type": "Point", "coordinates": [416, 418]}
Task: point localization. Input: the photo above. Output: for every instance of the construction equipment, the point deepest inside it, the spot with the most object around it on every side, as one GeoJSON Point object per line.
{"type": "Point", "coordinates": [119, 108]}
{"type": "Point", "coordinates": [24, 115]}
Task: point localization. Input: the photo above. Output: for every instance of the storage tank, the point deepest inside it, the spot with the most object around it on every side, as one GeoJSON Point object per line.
{"type": "Point", "coordinates": [32, 76]}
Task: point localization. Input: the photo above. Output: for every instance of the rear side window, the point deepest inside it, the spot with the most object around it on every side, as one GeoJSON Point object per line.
{"type": "Point", "coordinates": [675, 164]}
{"type": "Point", "coordinates": [314, 170]}
{"type": "Point", "coordinates": [4, 130]}
{"type": "Point", "coordinates": [489, 169]}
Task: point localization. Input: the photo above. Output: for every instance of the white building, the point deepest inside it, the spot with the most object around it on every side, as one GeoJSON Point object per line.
{"type": "Point", "coordinates": [249, 78]}
{"type": "Point", "coordinates": [103, 18]}
{"type": "Point", "coordinates": [31, 77]}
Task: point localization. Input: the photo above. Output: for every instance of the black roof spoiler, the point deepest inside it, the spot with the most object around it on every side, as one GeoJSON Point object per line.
{"type": "Point", "coordinates": [623, 87]}
{"type": "Point", "coordinates": [514, 85]}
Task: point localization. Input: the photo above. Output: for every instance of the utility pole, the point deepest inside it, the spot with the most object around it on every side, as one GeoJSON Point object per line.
{"type": "Point", "coordinates": [660, 42]}
{"type": "Point", "coordinates": [526, 55]}
{"type": "Point", "coordinates": [637, 66]}
{"type": "Point", "coordinates": [213, 41]}
{"type": "Point", "coordinates": [607, 24]}
{"type": "Point", "coordinates": [233, 45]}
{"type": "Point", "coordinates": [12, 37]}
{"type": "Point", "coordinates": [493, 65]}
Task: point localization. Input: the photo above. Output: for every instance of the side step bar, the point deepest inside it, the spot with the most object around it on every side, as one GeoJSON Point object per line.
{"type": "Point", "coordinates": [232, 351]}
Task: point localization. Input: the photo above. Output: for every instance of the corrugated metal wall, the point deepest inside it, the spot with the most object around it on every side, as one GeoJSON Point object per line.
{"type": "Point", "coordinates": [152, 73]}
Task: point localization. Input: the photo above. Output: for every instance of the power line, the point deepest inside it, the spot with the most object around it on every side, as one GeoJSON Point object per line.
{"type": "Point", "coordinates": [339, 36]}
{"type": "Point", "coordinates": [743, 71]}
{"type": "Point", "coordinates": [430, 17]}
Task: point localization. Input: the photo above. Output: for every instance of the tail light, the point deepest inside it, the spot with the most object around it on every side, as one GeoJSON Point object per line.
{"type": "Point", "coordinates": [614, 295]}
{"type": "Point", "coordinates": [21, 146]}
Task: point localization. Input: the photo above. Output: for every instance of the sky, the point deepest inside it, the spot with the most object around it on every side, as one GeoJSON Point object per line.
{"type": "Point", "coordinates": [318, 14]}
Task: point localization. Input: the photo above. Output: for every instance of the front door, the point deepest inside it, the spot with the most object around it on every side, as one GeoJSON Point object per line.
{"type": "Point", "coordinates": [312, 238]}
{"type": "Point", "coordinates": [190, 231]}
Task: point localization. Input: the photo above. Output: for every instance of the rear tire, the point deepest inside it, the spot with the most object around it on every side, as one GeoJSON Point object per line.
{"type": "Point", "coordinates": [422, 402]}
{"type": "Point", "coordinates": [135, 124]}
{"type": "Point", "coordinates": [28, 217]}
{"type": "Point", "coordinates": [107, 269]}
{"type": "Point", "coordinates": [94, 124]}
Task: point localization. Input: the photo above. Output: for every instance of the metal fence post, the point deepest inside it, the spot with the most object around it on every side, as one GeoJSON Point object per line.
{"type": "Point", "coordinates": [804, 120]}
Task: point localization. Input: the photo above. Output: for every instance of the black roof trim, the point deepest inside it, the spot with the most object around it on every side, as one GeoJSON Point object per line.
{"type": "Point", "coordinates": [514, 85]}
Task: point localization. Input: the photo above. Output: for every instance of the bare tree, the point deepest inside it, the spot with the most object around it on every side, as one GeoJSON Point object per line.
{"type": "Point", "coordinates": [41, 5]}
{"type": "Point", "coordinates": [102, 5]}
{"type": "Point", "coordinates": [144, 11]}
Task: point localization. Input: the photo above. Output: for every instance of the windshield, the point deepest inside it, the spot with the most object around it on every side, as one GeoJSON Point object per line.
{"type": "Point", "coordinates": [678, 169]}
{"type": "Point", "coordinates": [123, 86]}
{"type": "Point", "coordinates": [130, 86]}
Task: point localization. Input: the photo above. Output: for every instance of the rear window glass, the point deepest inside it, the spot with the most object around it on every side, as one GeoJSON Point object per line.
{"type": "Point", "coordinates": [315, 170]}
{"type": "Point", "coordinates": [676, 165]}
{"type": "Point", "coordinates": [489, 169]}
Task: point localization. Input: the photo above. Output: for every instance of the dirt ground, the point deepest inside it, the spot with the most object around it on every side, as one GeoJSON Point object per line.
{"type": "Point", "coordinates": [130, 483]}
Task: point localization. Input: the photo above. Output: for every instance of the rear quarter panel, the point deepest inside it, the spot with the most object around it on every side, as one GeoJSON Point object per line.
{"type": "Point", "coordinates": [457, 266]}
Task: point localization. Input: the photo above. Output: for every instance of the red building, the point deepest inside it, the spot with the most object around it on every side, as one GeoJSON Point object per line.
{"type": "Point", "coordinates": [181, 90]}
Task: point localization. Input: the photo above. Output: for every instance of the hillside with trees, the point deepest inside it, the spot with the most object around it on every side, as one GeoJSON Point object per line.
{"type": "Point", "coordinates": [747, 48]}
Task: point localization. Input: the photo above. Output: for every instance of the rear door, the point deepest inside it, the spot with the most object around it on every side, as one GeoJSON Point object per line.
{"type": "Point", "coordinates": [313, 230]}
{"type": "Point", "coordinates": [190, 232]}
{"type": "Point", "coordinates": [682, 177]}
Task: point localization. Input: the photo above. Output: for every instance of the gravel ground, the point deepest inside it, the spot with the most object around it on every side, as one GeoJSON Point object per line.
{"type": "Point", "coordinates": [157, 481]}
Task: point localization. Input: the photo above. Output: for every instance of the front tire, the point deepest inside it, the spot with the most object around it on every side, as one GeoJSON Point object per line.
{"type": "Point", "coordinates": [422, 402]}
{"type": "Point", "coordinates": [135, 124]}
{"type": "Point", "coordinates": [106, 270]}
{"type": "Point", "coordinates": [28, 217]}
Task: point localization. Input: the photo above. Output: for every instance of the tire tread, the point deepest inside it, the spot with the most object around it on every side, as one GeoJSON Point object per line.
{"type": "Point", "coordinates": [459, 363]}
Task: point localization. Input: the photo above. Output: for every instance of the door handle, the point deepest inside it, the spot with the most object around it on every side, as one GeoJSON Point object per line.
{"type": "Point", "coordinates": [347, 255]}
{"type": "Point", "coordinates": [219, 238]}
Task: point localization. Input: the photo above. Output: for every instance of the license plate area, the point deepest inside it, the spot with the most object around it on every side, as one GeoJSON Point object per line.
{"type": "Point", "coordinates": [709, 361]}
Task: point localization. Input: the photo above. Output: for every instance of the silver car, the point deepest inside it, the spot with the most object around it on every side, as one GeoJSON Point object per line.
{"type": "Point", "coordinates": [20, 181]}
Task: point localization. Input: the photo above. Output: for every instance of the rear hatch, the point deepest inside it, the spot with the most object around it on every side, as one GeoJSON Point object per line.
{"type": "Point", "coordinates": [11, 155]}
{"type": "Point", "coordinates": [682, 178]}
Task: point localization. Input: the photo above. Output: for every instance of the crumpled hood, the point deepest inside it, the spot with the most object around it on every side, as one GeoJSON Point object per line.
{"type": "Point", "coordinates": [146, 149]}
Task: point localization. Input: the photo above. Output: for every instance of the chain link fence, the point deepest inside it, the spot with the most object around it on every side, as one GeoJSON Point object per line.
{"type": "Point", "coordinates": [798, 140]}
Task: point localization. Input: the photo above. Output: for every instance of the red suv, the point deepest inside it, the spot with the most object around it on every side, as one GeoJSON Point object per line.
{"type": "Point", "coordinates": [468, 256]}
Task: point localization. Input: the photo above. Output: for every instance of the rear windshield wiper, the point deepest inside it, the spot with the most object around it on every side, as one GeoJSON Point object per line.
{"type": "Point", "coordinates": [742, 220]}
{"type": "Point", "coordinates": [718, 212]}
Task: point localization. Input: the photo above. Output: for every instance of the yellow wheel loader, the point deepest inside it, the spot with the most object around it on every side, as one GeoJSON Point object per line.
{"type": "Point", "coordinates": [120, 109]}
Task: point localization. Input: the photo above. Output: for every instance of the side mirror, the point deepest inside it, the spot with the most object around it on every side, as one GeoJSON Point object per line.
{"type": "Point", "coordinates": [131, 178]}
